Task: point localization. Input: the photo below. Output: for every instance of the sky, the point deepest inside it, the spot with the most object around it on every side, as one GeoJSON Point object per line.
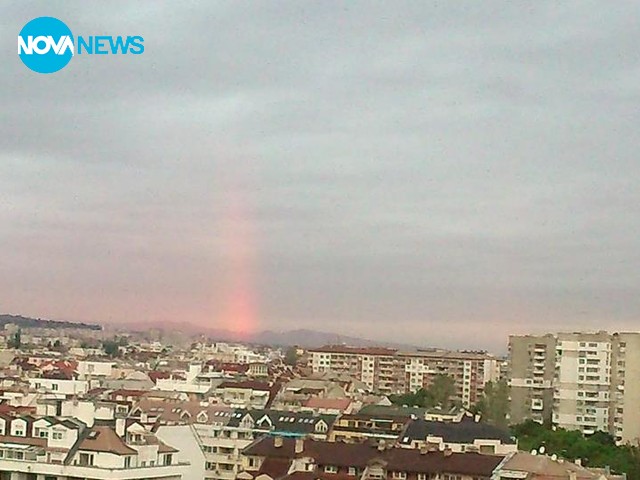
{"type": "Point", "coordinates": [434, 173]}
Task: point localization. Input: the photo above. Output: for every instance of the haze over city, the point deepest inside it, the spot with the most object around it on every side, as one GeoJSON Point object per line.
{"type": "Point", "coordinates": [442, 176]}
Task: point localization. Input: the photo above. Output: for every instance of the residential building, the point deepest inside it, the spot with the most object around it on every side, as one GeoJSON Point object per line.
{"type": "Point", "coordinates": [590, 386]}
{"type": "Point", "coordinates": [470, 371]}
{"type": "Point", "coordinates": [388, 371]}
{"type": "Point", "coordinates": [531, 371]}
{"type": "Point", "coordinates": [57, 448]}
{"type": "Point", "coordinates": [357, 428]}
{"type": "Point", "coordinates": [466, 435]}
{"type": "Point", "coordinates": [287, 458]}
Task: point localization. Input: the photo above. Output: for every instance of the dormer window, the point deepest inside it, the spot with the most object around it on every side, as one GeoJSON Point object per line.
{"type": "Point", "coordinates": [321, 427]}
{"type": "Point", "coordinates": [399, 475]}
{"type": "Point", "coordinates": [330, 469]}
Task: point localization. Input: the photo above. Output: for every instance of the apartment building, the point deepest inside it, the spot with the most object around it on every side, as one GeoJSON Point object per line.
{"type": "Point", "coordinates": [379, 369]}
{"type": "Point", "coordinates": [592, 379]}
{"type": "Point", "coordinates": [388, 371]}
{"type": "Point", "coordinates": [583, 384]}
{"type": "Point", "coordinates": [531, 370]}
{"type": "Point", "coordinates": [470, 370]}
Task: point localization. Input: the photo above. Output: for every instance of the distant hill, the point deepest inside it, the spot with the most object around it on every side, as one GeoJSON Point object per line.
{"type": "Point", "coordinates": [27, 322]}
{"type": "Point", "coordinates": [301, 337]}
{"type": "Point", "coordinates": [314, 338]}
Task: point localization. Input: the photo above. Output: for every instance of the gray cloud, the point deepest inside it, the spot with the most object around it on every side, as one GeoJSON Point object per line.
{"type": "Point", "coordinates": [436, 173]}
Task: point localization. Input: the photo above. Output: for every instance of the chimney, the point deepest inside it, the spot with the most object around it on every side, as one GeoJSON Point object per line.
{"type": "Point", "coordinates": [299, 445]}
{"type": "Point", "coordinates": [120, 427]}
{"type": "Point", "coordinates": [278, 442]}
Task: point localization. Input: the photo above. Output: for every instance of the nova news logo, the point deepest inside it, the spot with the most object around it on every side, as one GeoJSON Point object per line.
{"type": "Point", "coordinates": [46, 45]}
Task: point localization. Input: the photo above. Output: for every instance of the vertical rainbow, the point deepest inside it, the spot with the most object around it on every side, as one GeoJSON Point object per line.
{"type": "Point", "coordinates": [239, 311]}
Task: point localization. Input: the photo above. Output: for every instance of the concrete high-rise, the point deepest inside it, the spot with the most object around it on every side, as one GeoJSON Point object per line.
{"type": "Point", "coordinates": [577, 381]}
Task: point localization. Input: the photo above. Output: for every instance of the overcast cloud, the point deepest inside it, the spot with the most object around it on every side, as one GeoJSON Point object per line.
{"type": "Point", "coordinates": [439, 173]}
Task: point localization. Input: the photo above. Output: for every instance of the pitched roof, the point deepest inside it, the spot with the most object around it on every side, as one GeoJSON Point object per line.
{"type": "Point", "coordinates": [360, 455]}
{"type": "Point", "coordinates": [465, 431]}
{"type": "Point", "coordinates": [328, 403]}
{"type": "Point", "coordinates": [105, 439]}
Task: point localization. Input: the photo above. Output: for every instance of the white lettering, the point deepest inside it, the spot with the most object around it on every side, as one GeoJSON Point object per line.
{"type": "Point", "coordinates": [42, 45]}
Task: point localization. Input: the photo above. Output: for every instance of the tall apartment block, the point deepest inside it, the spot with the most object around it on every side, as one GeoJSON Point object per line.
{"type": "Point", "coordinates": [593, 379]}
{"type": "Point", "coordinates": [531, 371]}
{"type": "Point", "coordinates": [389, 371]}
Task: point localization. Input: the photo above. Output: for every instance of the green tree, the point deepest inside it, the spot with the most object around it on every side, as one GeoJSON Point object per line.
{"type": "Point", "coordinates": [597, 450]}
{"type": "Point", "coordinates": [291, 356]}
{"type": "Point", "coordinates": [443, 389]}
{"type": "Point", "coordinates": [494, 404]}
{"type": "Point", "coordinates": [439, 394]}
{"type": "Point", "coordinates": [16, 340]}
{"type": "Point", "coordinates": [111, 348]}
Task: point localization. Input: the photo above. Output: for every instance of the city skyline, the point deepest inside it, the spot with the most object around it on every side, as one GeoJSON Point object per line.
{"type": "Point", "coordinates": [440, 175]}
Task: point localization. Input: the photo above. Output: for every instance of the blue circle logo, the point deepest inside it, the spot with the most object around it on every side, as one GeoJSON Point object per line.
{"type": "Point", "coordinates": [45, 45]}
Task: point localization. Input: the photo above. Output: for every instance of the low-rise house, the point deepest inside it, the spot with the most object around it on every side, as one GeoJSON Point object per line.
{"type": "Point", "coordinates": [466, 435]}
{"type": "Point", "coordinates": [246, 394]}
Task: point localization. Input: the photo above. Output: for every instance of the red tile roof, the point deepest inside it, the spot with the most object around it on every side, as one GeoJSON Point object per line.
{"type": "Point", "coordinates": [105, 439]}
{"type": "Point", "coordinates": [328, 403]}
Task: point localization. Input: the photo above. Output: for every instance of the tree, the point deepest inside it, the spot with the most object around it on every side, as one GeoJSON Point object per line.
{"type": "Point", "coordinates": [442, 389]}
{"type": "Point", "coordinates": [111, 348]}
{"type": "Point", "coordinates": [596, 450]}
{"type": "Point", "coordinates": [494, 404]}
{"type": "Point", "coordinates": [16, 340]}
{"type": "Point", "coordinates": [291, 356]}
{"type": "Point", "coordinates": [439, 394]}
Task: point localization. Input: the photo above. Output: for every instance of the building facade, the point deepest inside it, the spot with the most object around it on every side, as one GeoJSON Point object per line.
{"type": "Point", "coordinates": [578, 381]}
{"type": "Point", "coordinates": [388, 371]}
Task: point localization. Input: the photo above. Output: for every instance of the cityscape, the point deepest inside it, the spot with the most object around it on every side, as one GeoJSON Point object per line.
{"type": "Point", "coordinates": [85, 402]}
{"type": "Point", "coordinates": [319, 240]}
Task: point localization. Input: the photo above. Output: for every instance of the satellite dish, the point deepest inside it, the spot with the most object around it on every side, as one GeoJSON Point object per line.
{"type": "Point", "coordinates": [534, 452]}
{"type": "Point", "coordinates": [542, 450]}
{"type": "Point", "coordinates": [554, 457]}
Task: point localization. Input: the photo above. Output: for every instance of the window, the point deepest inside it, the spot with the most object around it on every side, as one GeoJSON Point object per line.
{"type": "Point", "coordinates": [422, 476]}
{"type": "Point", "coordinates": [330, 469]}
{"type": "Point", "coordinates": [352, 471]}
{"type": "Point", "coordinates": [58, 435]}
{"type": "Point", "coordinates": [399, 475]}
{"type": "Point", "coordinates": [127, 462]}
{"type": "Point", "coordinates": [54, 387]}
